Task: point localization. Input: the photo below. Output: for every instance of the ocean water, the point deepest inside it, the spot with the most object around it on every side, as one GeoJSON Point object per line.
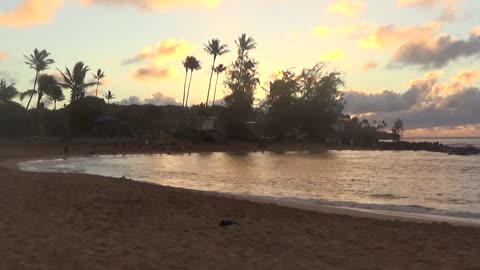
{"type": "Point", "coordinates": [403, 181]}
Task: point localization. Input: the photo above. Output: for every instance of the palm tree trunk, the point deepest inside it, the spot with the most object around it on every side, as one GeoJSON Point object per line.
{"type": "Point", "coordinates": [184, 87]}
{"type": "Point", "coordinates": [40, 95]}
{"type": "Point", "coordinates": [55, 105]}
{"type": "Point", "coordinates": [31, 96]}
{"type": "Point", "coordinates": [188, 92]}
{"type": "Point", "coordinates": [215, 92]}
{"type": "Point", "coordinates": [96, 91]}
{"type": "Point", "coordinates": [210, 83]}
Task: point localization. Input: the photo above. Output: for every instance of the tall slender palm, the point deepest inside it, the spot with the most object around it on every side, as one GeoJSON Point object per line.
{"type": "Point", "coordinates": [219, 69]}
{"type": "Point", "coordinates": [215, 48]}
{"type": "Point", "coordinates": [45, 84]}
{"type": "Point", "coordinates": [109, 96]}
{"type": "Point", "coordinates": [99, 76]}
{"type": "Point", "coordinates": [245, 44]}
{"type": "Point", "coordinates": [186, 64]}
{"type": "Point", "coordinates": [7, 92]}
{"type": "Point", "coordinates": [75, 81]}
{"type": "Point", "coordinates": [38, 61]}
{"type": "Point", "coordinates": [194, 65]}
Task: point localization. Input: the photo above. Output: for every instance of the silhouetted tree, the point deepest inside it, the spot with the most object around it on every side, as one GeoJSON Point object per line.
{"type": "Point", "coordinates": [38, 61]}
{"type": "Point", "coordinates": [219, 69]}
{"type": "Point", "coordinates": [7, 92]}
{"type": "Point", "coordinates": [281, 104]}
{"type": "Point", "coordinates": [45, 85]}
{"type": "Point", "coordinates": [397, 130]}
{"type": "Point", "coordinates": [109, 96]}
{"type": "Point", "coordinates": [55, 94]}
{"type": "Point", "coordinates": [321, 102]}
{"type": "Point", "coordinates": [214, 48]}
{"type": "Point", "coordinates": [242, 80]}
{"type": "Point", "coordinates": [194, 64]}
{"type": "Point", "coordinates": [98, 76]}
{"type": "Point", "coordinates": [75, 81]}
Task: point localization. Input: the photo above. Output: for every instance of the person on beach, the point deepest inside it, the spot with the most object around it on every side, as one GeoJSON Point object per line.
{"type": "Point", "coordinates": [65, 149]}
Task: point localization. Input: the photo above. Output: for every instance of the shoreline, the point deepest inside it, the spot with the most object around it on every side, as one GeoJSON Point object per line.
{"type": "Point", "coordinates": [72, 221]}
{"type": "Point", "coordinates": [327, 209]}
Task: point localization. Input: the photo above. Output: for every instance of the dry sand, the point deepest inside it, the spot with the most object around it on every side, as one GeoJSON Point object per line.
{"type": "Point", "coordinates": [67, 221]}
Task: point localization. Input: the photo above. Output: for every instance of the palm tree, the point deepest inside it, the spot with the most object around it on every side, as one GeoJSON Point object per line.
{"type": "Point", "coordinates": [194, 65]}
{"type": "Point", "coordinates": [219, 69]}
{"type": "Point", "coordinates": [7, 92]}
{"type": "Point", "coordinates": [45, 84]}
{"type": "Point", "coordinates": [109, 96]}
{"type": "Point", "coordinates": [75, 81]}
{"type": "Point", "coordinates": [215, 48]}
{"type": "Point", "coordinates": [186, 64]}
{"type": "Point", "coordinates": [38, 61]}
{"type": "Point", "coordinates": [55, 94]}
{"type": "Point", "coordinates": [99, 76]}
{"type": "Point", "coordinates": [245, 44]}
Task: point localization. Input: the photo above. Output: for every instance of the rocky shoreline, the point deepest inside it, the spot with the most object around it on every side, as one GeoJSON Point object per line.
{"type": "Point", "coordinates": [431, 147]}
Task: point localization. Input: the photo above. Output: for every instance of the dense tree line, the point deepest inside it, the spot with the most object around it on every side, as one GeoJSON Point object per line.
{"type": "Point", "coordinates": [303, 105]}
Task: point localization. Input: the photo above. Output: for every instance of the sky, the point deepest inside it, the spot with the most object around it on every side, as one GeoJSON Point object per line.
{"type": "Point", "coordinates": [417, 60]}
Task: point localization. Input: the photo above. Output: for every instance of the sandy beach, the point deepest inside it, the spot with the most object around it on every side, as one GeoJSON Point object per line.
{"type": "Point", "coordinates": [68, 221]}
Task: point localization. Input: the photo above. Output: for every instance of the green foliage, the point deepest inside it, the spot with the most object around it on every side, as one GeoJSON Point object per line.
{"type": "Point", "coordinates": [109, 96]}
{"type": "Point", "coordinates": [98, 76]}
{"type": "Point", "coordinates": [214, 48]}
{"type": "Point", "coordinates": [308, 103]}
{"type": "Point", "coordinates": [7, 92]}
{"type": "Point", "coordinates": [398, 129]}
{"type": "Point", "coordinates": [38, 61]}
{"type": "Point", "coordinates": [191, 63]}
{"type": "Point", "coordinates": [242, 80]}
{"type": "Point", "coordinates": [75, 81]}
{"type": "Point", "coordinates": [46, 85]}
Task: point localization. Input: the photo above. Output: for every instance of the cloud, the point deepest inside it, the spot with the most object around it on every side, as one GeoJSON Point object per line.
{"type": "Point", "coordinates": [385, 36]}
{"type": "Point", "coordinates": [425, 3]}
{"type": "Point", "coordinates": [321, 32]}
{"type": "Point", "coordinates": [157, 98]}
{"type": "Point", "coordinates": [427, 103]}
{"type": "Point", "coordinates": [131, 100]}
{"type": "Point", "coordinates": [437, 52]}
{"type": "Point", "coordinates": [37, 12]}
{"type": "Point", "coordinates": [333, 55]}
{"type": "Point", "coordinates": [369, 65]}
{"type": "Point", "coordinates": [158, 5]}
{"type": "Point", "coordinates": [346, 7]}
{"type": "Point", "coordinates": [3, 56]}
{"type": "Point", "coordinates": [448, 131]}
{"type": "Point", "coordinates": [169, 49]}
{"type": "Point", "coordinates": [155, 72]}
{"type": "Point", "coordinates": [160, 99]}
{"type": "Point", "coordinates": [31, 12]}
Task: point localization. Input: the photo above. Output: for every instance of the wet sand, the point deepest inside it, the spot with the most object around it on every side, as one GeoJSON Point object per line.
{"type": "Point", "coordinates": [68, 221]}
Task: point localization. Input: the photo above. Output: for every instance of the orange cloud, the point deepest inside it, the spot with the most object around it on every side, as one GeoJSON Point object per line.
{"type": "Point", "coordinates": [347, 7]}
{"type": "Point", "coordinates": [333, 55]}
{"type": "Point", "coordinates": [425, 3]}
{"type": "Point", "coordinates": [169, 49]}
{"type": "Point", "coordinates": [385, 36]}
{"type": "Point", "coordinates": [158, 5]}
{"type": "Point", "coordinates": [31, 12]}
{"type": "Point", "coordinates": [35, 12]}
{"type": "Point", "coordinates": [369, 65]}
{"type": "Point", "coordinates": [156, 72]}
{"type": "Point", "coordinates": [3, 56]}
